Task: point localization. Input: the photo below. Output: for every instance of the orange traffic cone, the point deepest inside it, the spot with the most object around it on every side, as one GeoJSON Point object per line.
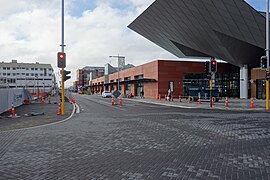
{"type": "Point", "coordinates": [179, 98]}
{"type": "Point", "coordinates": [59, 111]}
{"type": "Point", "coordinates": [112, 101]}
{"type": "Point", "coordinates": [73, 100]}
{"type": "Point", "coordinates": [120, 101]}
{"type": "Point", "coordinates": [188, 100]}
{"type": "Point", "coordinates": [199, 100]}
{"type": "Point", "coordinates": [42, 101]}
{"type": "Point", "coordinates": [13, 113]}
{"type": "Point", "coordinates": [252, 103]}
{"type": "Point", "coordinates": [226, 102]}
{"type": "Point", "coordinates": [213, 102]}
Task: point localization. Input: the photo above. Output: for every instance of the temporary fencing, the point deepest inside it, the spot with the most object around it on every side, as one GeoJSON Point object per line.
{"type": "Point", "coordinates": [15, 95]}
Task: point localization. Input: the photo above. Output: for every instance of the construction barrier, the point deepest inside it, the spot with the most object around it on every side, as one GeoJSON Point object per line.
{"type": "Point", "coordinates": [42, 101]}
{"type": "Point", "coordinates": [112, 101]}
{"type": "Point", "coordinates": [120, 102]}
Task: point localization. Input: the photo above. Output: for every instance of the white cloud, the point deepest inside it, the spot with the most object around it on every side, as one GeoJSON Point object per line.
{"type": "Point", "coordinates": [30, 32]}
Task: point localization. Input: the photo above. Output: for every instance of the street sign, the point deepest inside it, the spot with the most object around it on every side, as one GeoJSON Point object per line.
{"type": "Point", "coordinates": [116, 94]}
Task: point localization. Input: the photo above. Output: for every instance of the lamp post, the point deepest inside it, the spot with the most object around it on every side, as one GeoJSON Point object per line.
{"type": "Point", "coordinates": [118, 58]}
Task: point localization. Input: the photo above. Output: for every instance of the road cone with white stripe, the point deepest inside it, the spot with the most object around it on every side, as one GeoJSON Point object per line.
{"type": "Point", "coordinates": [59, 110]}
{"type": "Point", "coordinates": [226, 102]}
{"type": "Point", "coordinates": [112, 101]}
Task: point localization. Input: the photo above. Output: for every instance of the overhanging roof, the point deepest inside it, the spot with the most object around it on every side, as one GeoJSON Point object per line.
{"type": "Point", "coordinates": [230, 30]}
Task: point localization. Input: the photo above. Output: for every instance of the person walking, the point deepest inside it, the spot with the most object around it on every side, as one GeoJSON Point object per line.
{"type": "Point", "coordinates": [169, 94]}
{"type": "Point", "coordinates": [142, 93]}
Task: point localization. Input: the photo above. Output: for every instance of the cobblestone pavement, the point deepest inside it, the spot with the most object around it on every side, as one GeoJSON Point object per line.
{"type": "Point", "coordinates": [47, 114]}
{"type": "Point", "coordinates": [141, 141]}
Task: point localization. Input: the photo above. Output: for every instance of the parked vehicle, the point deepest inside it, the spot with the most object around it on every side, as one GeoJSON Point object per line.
{"type": "Point", "coordinates": [106, 94]}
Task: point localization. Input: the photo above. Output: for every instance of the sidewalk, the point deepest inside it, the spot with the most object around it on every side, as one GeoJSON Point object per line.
{"type": "Point", "coordinates": [233, 104]}
{"type": "Point", "coordinates": [35, 114]}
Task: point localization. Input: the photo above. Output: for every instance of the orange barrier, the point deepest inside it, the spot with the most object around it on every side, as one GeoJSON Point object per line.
{"type": "Point", "coordinates": [226, 102]}
{"type": "Point", "coordinates": [252, 105]}
{"type": "Point", "coordinates": [42, 101]}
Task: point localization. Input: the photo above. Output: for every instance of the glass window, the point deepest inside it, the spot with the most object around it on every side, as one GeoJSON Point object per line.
{"type": "Point", "coordinates": [27, 74]}
{"type": "Point", "coordinates": [36, 69]}
{"type": "Point", "coordinates": [32, 74]}
{"type": "Point", "coordinates": [32, 69]}
{"type": "Point", "coordinates": [14, 68]}
{"type": "Point", "coordinates": [27, 68]}
{"type": "Point", "coordinates": [8, 68]}
{"type": "Point", "coordinates": [23, 73]}
{"type": "Point", "coordinates": [13, 74]}
{"type": "Point", "coordinates": [18, 73]}
{"type": "Point", "coordinates": [4, 74]}
{"type": "Point", "coordinates": [8, 74]}
{"type": "Point", "coordinates": [36, 75]}
{"type": "Point", "coordinates": [4, 68]}
{"type": "Point", "coordinates": [50, 74]}
{"type": "Point", "coordinates": [41, 74]}
{"type": "Point", "coordinates": [41, 69]}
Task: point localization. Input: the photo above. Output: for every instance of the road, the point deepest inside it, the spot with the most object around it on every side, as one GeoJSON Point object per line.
{"type": "Point", "coordinates": [140, 141]}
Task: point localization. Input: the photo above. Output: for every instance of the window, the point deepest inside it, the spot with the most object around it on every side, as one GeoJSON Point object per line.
{"type": "Point", "coordinates": [32, 69]}
{"type": "Point", "coordinates": [4, 74]}
{"type": "Point", "coordinates": [8, 68]}
{"type": "Point", "coordinates": [13, 74]}
{"type": "Point", "coordinates": [36, 69]}
{"type": "Point", "coordinates": [27, 68]}
{"type": "Point", "coordinates": [4, 68]}
{"type": "Point", "coordinates": [41, 74]}
{"type": "Point", "coordinates": [23, 73]}
{"type": "Point", "coordinates": [32, 74]}
{"type": "Point", "coordinates": [50, 74]}
{"type": "Point", "coordinates": [14, 68]}
{"type": "Point", "coordinates": [36, 75]}
{"type": "Point", "coordinates": [27, 74]}
{"type": "Point", "coordinates": [41, 69]}
{"type": "Point", "coordinates": [8, 74]}
{"type": "Point", "coordinates": [18, 73]}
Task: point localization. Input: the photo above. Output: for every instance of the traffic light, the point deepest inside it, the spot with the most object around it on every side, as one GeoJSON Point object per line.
{"type": "Point", "coordinates": [61, 60]}
{"type": "Point", "coordinates": [206, 67]}
{"type": "Point", "coordinates": [263, 62]}
{"type": "Point", "coordinates": [213, 66]}
{"type": "Point", "coordinates": [65, 75]}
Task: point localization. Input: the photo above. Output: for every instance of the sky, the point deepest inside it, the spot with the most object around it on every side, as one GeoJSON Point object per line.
{"type": "Point", "coordinates": [94, 30]}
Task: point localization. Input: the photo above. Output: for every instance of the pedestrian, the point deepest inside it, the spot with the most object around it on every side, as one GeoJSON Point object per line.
{"type": "Point", "coordinates": [169, 94]}
{"type": "Point", "coordinates": [142, 93]}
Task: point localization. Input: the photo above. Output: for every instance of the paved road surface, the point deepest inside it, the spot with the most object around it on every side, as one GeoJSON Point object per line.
{"type": "Point", "coordinates": [140, 141]}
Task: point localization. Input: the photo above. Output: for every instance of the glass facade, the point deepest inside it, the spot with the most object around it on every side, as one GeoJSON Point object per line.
{"type": "Point", "coordinates": [228, 84]}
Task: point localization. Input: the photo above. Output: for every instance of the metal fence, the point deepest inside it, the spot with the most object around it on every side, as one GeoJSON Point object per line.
{"type": "Point", "coordinates": [15, 96]}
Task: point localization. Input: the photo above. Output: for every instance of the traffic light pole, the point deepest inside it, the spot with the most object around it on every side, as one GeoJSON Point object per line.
{"type": "Point", "coordinates": [211, 87]}
{"type": "Point", "coordinates": [62, 72]}
{"type": "Point", "coordinates": [267, 54]}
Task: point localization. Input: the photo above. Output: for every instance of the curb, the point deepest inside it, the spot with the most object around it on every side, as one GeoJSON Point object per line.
{"type": "Point", "coordinates": [53, 123]}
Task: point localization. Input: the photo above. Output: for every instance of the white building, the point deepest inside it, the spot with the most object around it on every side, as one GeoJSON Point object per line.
{"type": "Point", "coordinates": [36, 77]}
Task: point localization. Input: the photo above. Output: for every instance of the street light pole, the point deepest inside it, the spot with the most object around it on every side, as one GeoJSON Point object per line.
{"type": "Point", "coordinates": [118, 57]}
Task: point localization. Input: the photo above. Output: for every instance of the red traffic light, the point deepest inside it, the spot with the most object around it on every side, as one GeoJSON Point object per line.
{"type": "Point", "coordinates": [62, 56]}
{"type": "Point", "coordinates": [214, 62]}
{"type": "Point", "coordinates": [61, 60]}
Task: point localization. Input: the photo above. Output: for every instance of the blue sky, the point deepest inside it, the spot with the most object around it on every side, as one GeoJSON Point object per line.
{"type": "Point", "coordinates": [258, 4]}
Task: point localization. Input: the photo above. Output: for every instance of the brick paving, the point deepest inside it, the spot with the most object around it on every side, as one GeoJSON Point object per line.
{"type": "Point", "coordinates": [141, 141]}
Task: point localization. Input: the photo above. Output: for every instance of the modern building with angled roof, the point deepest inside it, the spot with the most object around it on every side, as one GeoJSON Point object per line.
{"type": "Point", "coordinates": [230, 30]}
